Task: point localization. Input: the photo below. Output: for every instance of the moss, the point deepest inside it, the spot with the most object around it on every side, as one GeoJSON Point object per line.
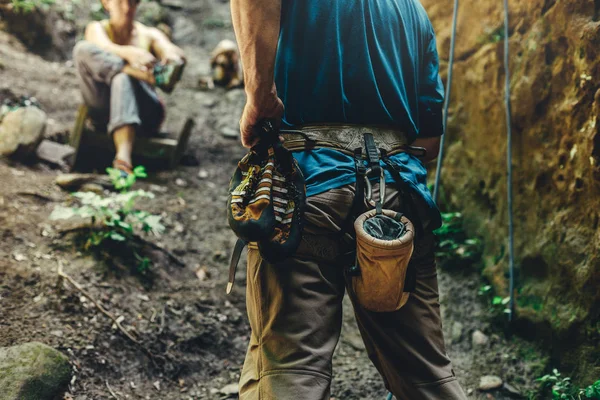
{"type": "Point", "coordinates": [33, 371]}
{"type": "Point", "coordinates": [531, 301]}
{"type": "Point", "coordinates": [495, 36]}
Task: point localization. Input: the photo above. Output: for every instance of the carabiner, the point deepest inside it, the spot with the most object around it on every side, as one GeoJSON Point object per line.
{"type": "Point", "coordinates": [369, 188]}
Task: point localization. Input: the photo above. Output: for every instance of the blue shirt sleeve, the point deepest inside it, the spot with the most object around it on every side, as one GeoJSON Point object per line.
{"type": "Point", "coordinates": [431, 94]}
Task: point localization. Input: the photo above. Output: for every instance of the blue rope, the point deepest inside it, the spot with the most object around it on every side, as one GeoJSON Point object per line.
{"type": "Point", "coordinates": [511, 251]}
{"type": "Point", "coordinates": [438, 172]}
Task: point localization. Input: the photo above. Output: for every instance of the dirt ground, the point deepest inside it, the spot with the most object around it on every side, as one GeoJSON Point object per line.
{"type": "Point", "coordinates": [197, 334]}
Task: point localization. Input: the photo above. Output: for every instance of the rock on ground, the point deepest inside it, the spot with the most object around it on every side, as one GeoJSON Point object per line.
{"type": "Point", "coordinates": [21, 131]}
{"type": "Point", "coordinates": [33, 371]}
{"type": "Point", "coordinates": [479, 339]}
{"type": "Point", "coordinates": [490, 382]}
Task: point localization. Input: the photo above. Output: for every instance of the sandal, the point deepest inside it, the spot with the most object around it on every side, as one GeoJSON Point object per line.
{"type": "Point", "coordinates": [124, 167]}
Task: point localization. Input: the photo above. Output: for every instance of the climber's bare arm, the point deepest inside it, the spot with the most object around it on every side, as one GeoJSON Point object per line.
{"type": "Point", "coordinates": [164, 49]}
{"type": "Point", "coordinates": [134, 56]}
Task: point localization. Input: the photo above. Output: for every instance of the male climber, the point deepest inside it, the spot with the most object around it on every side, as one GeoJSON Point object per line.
{"type": "Point", "coordinates": [335, 69]}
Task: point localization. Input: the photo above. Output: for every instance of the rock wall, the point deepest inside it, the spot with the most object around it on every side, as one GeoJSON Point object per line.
{"type": "Point", "coordinates": [555, 68]}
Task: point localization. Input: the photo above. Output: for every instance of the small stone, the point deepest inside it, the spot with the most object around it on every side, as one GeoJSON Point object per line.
{"type": "Point", "coordinates": [159, 189]}
{"type": "Point", "coordinates": [19, 257]}
{"type": "Point", "coordinates": [203, 174]}
{"type": "Point", "coordinates": [479, 339]}
{"type": "Point", "coordinates": [489, 382]}
{"type": "Point", "coordinates": [232, 388]}
{"type": "Point", "coordinates": [143, 297]}
{"type": "Point", "coordinates": [180, 182]}
{"type": "Point", "coordinates": [202, 273]}
{"type": "Point", "coordinates": [230, 133]}
{"type": "Point", "coordinates": [457, 331]}
{"type": "Point", "coordinates": [209, 103]}
{"type": "Point", "coordinates": [55, 153]}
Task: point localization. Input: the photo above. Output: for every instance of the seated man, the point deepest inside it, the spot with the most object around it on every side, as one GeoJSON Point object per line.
{"type": "Point", "coordinates": [119, 63]}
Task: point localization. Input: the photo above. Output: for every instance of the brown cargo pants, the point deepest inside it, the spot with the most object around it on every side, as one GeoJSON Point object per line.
{"type": "Point", "coordinates": [295, 312]}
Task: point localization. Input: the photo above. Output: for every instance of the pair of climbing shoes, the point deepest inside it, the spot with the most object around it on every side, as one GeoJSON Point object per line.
{"type": "Point", "coordinates": [267, 196]}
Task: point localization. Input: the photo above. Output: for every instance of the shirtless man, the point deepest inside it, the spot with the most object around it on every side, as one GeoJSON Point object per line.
{"type": "Point", "coordinates": [116, 70]}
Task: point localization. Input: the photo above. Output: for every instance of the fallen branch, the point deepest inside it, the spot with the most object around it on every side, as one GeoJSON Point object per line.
{"type": "Point", "coordinates": [111, 391]}
{"type": "Point", "coordinates": [38, 196]}
{"type": "Point", "coordinates": [108, 314]}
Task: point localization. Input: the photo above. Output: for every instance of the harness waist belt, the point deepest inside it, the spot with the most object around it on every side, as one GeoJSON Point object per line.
{"type": "Point", "coordinates": [346, 138]}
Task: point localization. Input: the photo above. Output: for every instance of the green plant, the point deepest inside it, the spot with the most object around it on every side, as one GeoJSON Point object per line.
{"type": "Point", "coordinates": [454, 248]}
{"type": "Point", "coordinates": [497, 303]}
{"type": "Point", "coordinates": [113, 217]}
{"type": "Point", "coordinates": [485, 289]}
{"type": "Point", "coordinates": [500, 304]}
{"type": "Point", "coordinates": [563, 388]}
{"type": "Point", "coordinates": [27, 6]}
{"type": "Point", "coordinates": [124, 183]}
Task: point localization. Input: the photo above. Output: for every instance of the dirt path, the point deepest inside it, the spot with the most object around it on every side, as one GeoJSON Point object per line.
{"type": "Point", "coordinates": [197, 333]}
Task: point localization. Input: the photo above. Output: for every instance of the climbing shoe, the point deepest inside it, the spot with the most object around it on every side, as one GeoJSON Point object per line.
{"type": "Point", "coordinates": [267, 196]}
{"type": "Point", "coordinates": [167, 75]}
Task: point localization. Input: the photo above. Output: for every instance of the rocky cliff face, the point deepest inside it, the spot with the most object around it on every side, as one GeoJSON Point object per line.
{"type": "Point", "coordinates": [555, 67]}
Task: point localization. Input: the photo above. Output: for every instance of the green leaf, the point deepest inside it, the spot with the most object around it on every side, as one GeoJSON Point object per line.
{"type": "Point", "coordinates": [117, 236]}
{"type": "Point", "coordinates": [125, 226]}
{"type": "Point", "coordinates": [152, 223]}
{"type": "Point", "coordinates": [497, 300]}
{"type": "Point", "coordinates": [140, 172]}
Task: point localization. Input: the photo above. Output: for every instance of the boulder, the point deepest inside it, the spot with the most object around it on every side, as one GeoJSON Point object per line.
{"type": "Point", "coordinates": [33, 371]}
{"type": "Point", "coordinates": [21, 131]}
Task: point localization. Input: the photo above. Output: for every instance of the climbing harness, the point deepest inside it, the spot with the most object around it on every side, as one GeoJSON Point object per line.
{"type": "Point", "coordinates": [509, 185]}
